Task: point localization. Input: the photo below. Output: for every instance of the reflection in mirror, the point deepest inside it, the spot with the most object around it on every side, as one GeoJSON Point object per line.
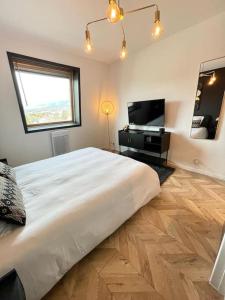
{"type": "Point", "coordinates": [209, 99]}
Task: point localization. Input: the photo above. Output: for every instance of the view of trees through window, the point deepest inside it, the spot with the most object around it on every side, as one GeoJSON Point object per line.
{"type": "Point", "coordinates": [45, 98]}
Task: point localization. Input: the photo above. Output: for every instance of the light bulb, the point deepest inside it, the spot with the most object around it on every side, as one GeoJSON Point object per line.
{"type": "Point", "coordinates": [210, 82]}
{"type": "Point", "coordinates": [88, 45]}
{"type": "Point", "coordinates": [212, 79]}
{"type": "Point", "coordinates": [123, 52]}
{"type": "Point", "coordinates": [157, 27]}
{"type": "Point", "coordinates": [107, 107]}
{"type": "Point", "coordinates": [113, 12]}
{"type": "Point", "coordinates": [121, 13]}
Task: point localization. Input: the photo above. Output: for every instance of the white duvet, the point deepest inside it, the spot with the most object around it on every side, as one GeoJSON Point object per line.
{"type": "Point", "coordinates": [199, 133]}
{"type": "Point", "coordinates": [73, 202]}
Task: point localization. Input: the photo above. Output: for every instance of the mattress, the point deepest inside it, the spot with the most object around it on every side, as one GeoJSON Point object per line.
{"type": "Point", "coordinates": [73, 202]}
{"type": "Point", "coordinates": [199, 133]}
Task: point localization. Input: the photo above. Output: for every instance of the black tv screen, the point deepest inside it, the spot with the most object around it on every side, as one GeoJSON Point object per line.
{"type": "Point", "coordinates": [147, 113]}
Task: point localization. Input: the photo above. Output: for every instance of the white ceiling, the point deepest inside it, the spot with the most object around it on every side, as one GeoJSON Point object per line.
{"type": "Point", "coordinates": [63, 22]}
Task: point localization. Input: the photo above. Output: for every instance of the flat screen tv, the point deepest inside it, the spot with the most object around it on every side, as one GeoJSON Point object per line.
{"type": "Point", "coordinates": [147, 113]}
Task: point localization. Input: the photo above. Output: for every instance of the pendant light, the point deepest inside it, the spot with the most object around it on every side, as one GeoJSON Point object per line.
{"type": "Point", "coordinates": [157, 27]}
{"type": "Point", "coordinates": [123, 52]}
{"type": "Point", "coordinates": [88, 45]}
{"type": "Point", "coordinates": [113, 12]}
{"type": "Point", "coordinates": [212, 79]}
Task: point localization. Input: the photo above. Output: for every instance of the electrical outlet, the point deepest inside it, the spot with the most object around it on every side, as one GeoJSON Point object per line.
{"type": "Point", "coordinates": [196, 162]}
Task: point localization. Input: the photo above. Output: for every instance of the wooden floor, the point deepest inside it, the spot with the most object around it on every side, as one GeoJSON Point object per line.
{"type": "Point", "coordinates": [165, 251]}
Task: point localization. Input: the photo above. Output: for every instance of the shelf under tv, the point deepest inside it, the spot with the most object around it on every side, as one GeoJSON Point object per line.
{"type": "Point", "coordinates": [151, 147]}
{"type": "Point", "coordinates": [142, 157]}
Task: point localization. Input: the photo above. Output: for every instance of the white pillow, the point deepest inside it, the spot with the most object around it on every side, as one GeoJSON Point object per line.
{"type": "Point", "coordinates": [198, 118]}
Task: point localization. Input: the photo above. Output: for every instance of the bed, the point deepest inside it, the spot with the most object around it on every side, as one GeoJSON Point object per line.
{"type": "Point", "coordinates": [73, 202]}
{"type": "Point", "coordinates": [199, 133]}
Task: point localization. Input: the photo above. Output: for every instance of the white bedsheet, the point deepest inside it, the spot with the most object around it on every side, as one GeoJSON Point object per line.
{"type": "Point", "coordinates": [73, 202]}
{"type": "Point", "coordinates": [199, 133]}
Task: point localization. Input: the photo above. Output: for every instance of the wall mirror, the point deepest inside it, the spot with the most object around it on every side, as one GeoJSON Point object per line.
{"type": "Point", "coordinates": [209, 99]}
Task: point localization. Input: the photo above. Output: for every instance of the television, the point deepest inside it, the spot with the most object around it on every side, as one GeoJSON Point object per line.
{"type": "Point", "coordinates": [147, 113]}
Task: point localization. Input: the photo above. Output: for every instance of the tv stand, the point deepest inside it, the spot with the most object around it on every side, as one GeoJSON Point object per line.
{"type": "Point", "coordinates": [150, 147]}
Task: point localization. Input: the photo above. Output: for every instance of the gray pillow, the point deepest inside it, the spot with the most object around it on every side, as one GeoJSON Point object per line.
{"type": "Point", "coordinates": [7, 172]}
{"type": "Point", "coordinates": [11, 202]}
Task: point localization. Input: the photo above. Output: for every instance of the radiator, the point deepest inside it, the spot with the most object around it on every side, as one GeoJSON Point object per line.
{"type": "Point", "coordinates": [60, 142]}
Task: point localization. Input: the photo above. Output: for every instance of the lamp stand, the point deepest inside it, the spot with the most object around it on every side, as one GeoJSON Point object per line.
{"type": "Point", "coordinates": [107, 115]}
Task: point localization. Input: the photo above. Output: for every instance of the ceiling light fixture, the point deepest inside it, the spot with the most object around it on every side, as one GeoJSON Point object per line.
{"type": "Point", "coordinates": [211, 74]}
{"type": "Point", "coordinates": [115, 14]}
{"type": "Point", "coordinates": [123, 51]}
{"type": "Point", "coordinates": [88, 44]}
{"type": "Point", "coordinates": [212, 79]}
{"type": "Point", "coordinates": [157, 27]}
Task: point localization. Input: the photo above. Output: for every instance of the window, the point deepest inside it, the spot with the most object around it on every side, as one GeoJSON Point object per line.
{"type": "Point", "coordinates": [48, 93]}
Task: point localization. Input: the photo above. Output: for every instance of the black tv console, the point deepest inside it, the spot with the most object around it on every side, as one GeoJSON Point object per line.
{"type": "Point", "coordinates": [151, 146]}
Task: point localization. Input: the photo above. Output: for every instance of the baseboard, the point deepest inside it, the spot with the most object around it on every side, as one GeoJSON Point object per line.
{"type": "Point", "coordinates": [199, 171]}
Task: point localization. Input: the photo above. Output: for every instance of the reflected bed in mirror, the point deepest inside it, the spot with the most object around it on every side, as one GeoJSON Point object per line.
{"type": "Point", "coordinates": [209, 99]}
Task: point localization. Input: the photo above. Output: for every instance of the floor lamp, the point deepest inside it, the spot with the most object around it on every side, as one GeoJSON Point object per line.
{"type": "Point", "coordinates": [107, 109]}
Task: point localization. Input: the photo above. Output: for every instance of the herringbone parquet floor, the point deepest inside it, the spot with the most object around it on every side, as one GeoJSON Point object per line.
{"type": "Point", "coordinates": [164, 252]}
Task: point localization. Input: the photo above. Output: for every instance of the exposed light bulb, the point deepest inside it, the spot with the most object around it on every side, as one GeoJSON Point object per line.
{"type": "Point", "coordinates": [157, 27]}
{"type": "Point", "coordinates": [113, 12]}
{"type": "Point", "coordinates": [157, 30]}
{"type": "Point", "coordinates": [121, 13]}
{"type": "Point", "coordinates": [88, 45]}
{"type": "Point", "coordinates": [107, 107]}
{"type": "Point", "coordinates": [210, 82]}
{"type": "Point", "coordinates": [212, 79]}
{"type": "Point", "coordinates": [123, 52]}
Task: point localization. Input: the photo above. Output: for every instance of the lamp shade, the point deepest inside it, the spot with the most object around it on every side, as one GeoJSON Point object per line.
{"type": "Point", "coordinates": [107, 107]}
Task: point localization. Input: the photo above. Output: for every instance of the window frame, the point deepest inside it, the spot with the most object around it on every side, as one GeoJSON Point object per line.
{"type": "Point", "coordinates": [75, 92]}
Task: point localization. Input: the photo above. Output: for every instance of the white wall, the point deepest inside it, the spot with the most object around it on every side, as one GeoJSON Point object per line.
{"type": "Point", "coordinates": [21, 148]}
{"type": "Point", "coordinates": [169, 69]}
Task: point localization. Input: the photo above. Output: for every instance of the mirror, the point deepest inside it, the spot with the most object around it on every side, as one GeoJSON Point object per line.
{"type": "Point", "coordinates": [209, 99]}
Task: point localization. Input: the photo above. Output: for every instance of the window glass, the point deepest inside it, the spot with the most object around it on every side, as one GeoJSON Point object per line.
{"type": "Point", "coordinates": [48, 93]}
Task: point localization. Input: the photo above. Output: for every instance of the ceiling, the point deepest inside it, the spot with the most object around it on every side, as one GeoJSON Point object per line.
{"type": "Point", "coordinates": [62, 22]}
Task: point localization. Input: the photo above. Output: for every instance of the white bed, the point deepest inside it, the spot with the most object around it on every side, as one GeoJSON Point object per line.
{"type": "Point", "coordinates": [73, 202]}
{"type": "Point", "coordinates": [199, 133]}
